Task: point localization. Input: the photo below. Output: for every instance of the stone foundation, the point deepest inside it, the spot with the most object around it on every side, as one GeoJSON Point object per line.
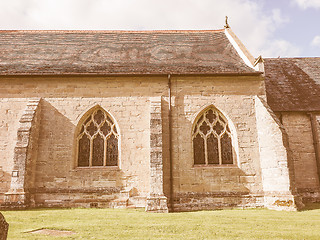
{"type": "Point", "coordinates": [309, 195]}
{"type": "Point", "coordinates": [282, 201]}
{"type": "Point", "coordinates": [157, 204]}
{"type": "Point", "coordinates": [213, 201]}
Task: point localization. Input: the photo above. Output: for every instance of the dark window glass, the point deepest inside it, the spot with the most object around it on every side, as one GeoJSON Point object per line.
{"type": "Point", "coordinates": [98, 141]}
{"type": "Point", "coordinates": [112, 151]}
{"type": "Point", "coordinates": [218, 128]}
{"type": "Point", "coordinates": [212, 149]}
{"type": "Point", "coordinates": [98, 151]}
{"type": "Point", "coordinates": [99, 117]}
{"type": "Point", "coordinates": [210, 116]}
{"type": "Point", "coordinates": [211, 138]}
{"type": "Point", "coordinates": [198, 150]}
{"type": "Point", "coordinates": [91, 129]}
{"type": "Point", "coordinates": [105, 129]}
{"type": "Point", "coordinates": [226, 149]}
{"type": "Point", "coordinates": [84, 151]}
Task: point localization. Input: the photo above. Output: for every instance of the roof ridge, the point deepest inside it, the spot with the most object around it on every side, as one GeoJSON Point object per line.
{"type": "Point", "coordinates": [293, 58]}
{"type": "Point", "coordinates": [112, 31]}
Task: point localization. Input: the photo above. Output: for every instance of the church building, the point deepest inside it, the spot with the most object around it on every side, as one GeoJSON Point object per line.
{"type": "Point", "coordinates": [165, 120]}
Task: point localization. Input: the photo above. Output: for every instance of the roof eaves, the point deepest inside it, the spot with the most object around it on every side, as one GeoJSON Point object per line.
{"type": "Point", "coordinates": [108, 31]}
{"type": "Point", "coordinates": [257, 73]}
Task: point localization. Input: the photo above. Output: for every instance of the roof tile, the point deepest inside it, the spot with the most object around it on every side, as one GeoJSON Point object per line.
{"type": "Point", "coordinates": [118, 52]}
{"type": "Point", "coordinates": [293, 84]}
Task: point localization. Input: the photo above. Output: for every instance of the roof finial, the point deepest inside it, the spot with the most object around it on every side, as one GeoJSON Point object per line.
{"type": "Point", "coordinates": [227, 24]}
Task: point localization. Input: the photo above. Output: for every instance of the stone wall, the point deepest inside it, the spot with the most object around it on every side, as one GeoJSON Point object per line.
{"type": "Point", "coordinates": [140, 107]}
{"type": "Point", "coordinates": [25, 156]}
{"type": "Point", "coordinates": [298, 127]}
{"type": "Point", "coordinates": [156, 201]}
{"type": "Point", "coordinates": [209, 187]}
{"type": "Point", "coordinates": [316, 127]}
{"type": "Point", "coordinates": [64, 101]}
{"type": "Point", "coordinates": [276, 160]}
{"type": "Point", "coordinates": [11, 110]}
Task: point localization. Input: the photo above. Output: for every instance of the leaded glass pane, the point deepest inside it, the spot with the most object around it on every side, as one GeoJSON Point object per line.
{"type": "Point", "coordinates": [112, 151]}
{"type": "Point", "coordinates": [98, 151]}
{"type": "Point", "coordinates": [84, 151]}
{"type": "Point", "coordinates": [211, 138]}
{"type": "Point", "coordinates": [212, 148]}
{"type": "Point", "coordinates": [198, 150]}
{"type": "Point", "coordinates": [99, 116]}
{"type": "Point", "coordinates": [218, 128]}
{"type": "Point", "coordinates": [204, 128]}
{"type": "Point", "coordinates": [226, 149]}
{"type": "Point", "coordinates": [105, 129]}
{"type": "Point", "coordinates": [91, 129]}
{"type": "Point", "coordinates": [98, 141]}
{"type": "Point", "coordinates": [210, 116]}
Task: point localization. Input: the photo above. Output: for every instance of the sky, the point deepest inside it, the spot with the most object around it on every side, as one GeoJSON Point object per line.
{"type": "Point", "coordinates": [271, 28]}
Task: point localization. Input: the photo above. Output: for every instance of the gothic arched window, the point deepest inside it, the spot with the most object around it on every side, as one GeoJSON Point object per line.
{"type": "Point", "coordinates": [212, 144]}
{"type": "Point", "coordinates": [97, 141]}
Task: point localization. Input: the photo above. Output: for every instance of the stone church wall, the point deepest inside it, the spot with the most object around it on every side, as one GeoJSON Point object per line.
{"type": "Point", "coordinates": [134, 103]}
{"type": "Point", "coordinates": [11, 109]}
{"type": "Point", "coordinates": [301, 143]}
{"type": "Point", "coordinates": [207, 187]}
{"type": "Point", "coordinates": [276, 161]}
{"type": "Point", "coordinates": [64, 102]}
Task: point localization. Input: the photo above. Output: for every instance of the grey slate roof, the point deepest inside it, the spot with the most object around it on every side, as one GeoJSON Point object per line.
{"type": "Point", "coordinates": [118, 52]}
{"type": "Point", "coordinates": [293, 84]}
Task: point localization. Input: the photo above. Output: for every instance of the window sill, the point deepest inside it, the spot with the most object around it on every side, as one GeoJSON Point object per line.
{"type": "Point", "coordinates": [97, 168]}
{"type": "Point", "coordinates": [216, 166]}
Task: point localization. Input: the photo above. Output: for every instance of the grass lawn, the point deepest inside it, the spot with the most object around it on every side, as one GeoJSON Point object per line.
{"type": "Point", "coordinates": [137, 224]}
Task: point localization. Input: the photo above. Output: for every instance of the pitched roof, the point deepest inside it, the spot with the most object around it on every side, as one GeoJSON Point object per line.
{"type": "Point", "coordinates": [293, 84]}
{"type": "Point", "coordinates": [119, 52]}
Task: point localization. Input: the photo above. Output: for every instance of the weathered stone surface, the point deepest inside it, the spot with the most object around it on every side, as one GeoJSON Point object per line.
{"type": "Point", "coordinates": [304, 153]}
{"type": "Point", "coordinates": [156, 201]}
{"type": "Point", "coordinates": [25, 156]}
{"type": "Point", "coordinates": [216, 200]}
{"type": "Point", "coordinates": [275, 160]}
{"type": "Point", "coordinates": [139, 106]}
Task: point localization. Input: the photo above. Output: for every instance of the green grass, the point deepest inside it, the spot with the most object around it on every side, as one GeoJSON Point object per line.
{"type": "Point", "coordinates": [137, 224]}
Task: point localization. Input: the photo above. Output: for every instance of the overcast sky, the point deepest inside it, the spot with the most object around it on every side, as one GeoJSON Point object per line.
{"type": "Point", "coordinates": [271, 28]}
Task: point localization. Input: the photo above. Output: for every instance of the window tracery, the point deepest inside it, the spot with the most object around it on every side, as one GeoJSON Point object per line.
{"type": "Point", "coordinates": [212, 140]}
{"type": "Point", "coordinates": [98, 141]}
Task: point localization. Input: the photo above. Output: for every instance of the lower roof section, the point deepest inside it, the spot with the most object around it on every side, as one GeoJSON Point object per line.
{"type": "Point", "coordinates": [293, 84]}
